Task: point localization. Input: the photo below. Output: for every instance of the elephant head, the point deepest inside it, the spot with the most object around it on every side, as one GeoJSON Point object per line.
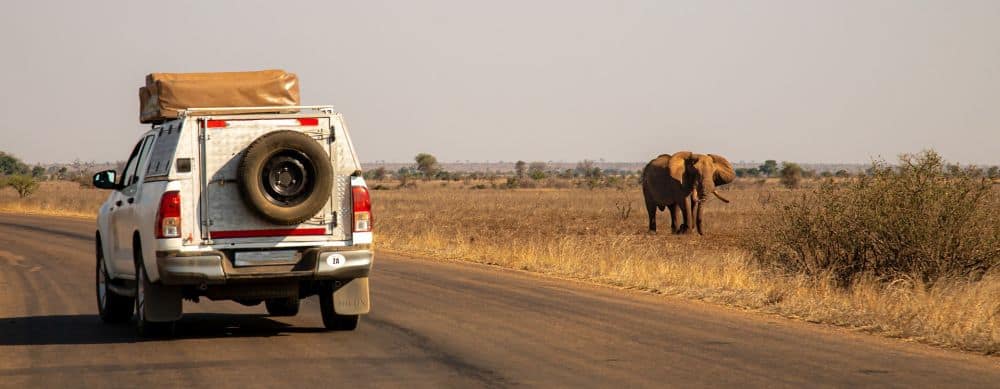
{"type": "Point", "coordinates": [707, 172]}
{"type": "Point", "coordinates": [710, 171]}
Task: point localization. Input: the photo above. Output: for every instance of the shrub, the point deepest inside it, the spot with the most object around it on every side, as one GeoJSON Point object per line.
{"type": "Point", "coordinates": [12, 165]}
{"type": "Point", "coordinates": [768, 168]}
{"type": "Point", "coordinates": [519, 169]}
{"type": "Point", "coordinates": [536, 170]}
{"type": "Point", "coordinates": [427, 164]}
{"type": "Point", "coordinates": [916, 220]}
{"type": "Point", "coordinates": [791, 174]}
{"type": "Point", "coordinates": [23, 184]}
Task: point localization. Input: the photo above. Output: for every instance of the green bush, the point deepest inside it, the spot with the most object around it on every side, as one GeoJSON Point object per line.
{"type": "Point", "coordinates": [913, 220]}
{"type": "Point", "coordinates": [791, 174]}
{"type": "Point", "coordinates": [24, 185]}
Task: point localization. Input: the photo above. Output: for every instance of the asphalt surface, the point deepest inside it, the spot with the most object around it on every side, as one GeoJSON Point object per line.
{"type": "Point", "coordinates": [433, 324]}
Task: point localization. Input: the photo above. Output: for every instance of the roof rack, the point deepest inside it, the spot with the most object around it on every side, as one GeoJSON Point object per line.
{"type": "Point", "coordinates": [251, 110]}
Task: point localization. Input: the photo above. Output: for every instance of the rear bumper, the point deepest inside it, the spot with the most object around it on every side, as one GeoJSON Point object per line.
{"type": "Point", "coordinates": [216, 267]}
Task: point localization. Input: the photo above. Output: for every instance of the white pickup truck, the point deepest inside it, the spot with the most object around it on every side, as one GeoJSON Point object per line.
{"type": "Point", "coordinates": [255, 205]}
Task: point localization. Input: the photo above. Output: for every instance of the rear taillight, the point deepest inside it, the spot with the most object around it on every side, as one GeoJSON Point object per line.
{"type": "Point", "coordinates": [362, 209]}
{"type": "Point", "coordinates": [168, 217]}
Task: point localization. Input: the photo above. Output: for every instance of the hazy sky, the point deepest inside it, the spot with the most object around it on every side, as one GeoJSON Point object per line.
{"type": "Point", "coordinates": [831, 81]}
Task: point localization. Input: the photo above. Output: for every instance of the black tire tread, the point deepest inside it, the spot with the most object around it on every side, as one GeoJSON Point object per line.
{"type": "Point", "coordinates": [282, 306]}
{"type": "Point", "coordinates": [117, 308]}
{"type": "Point", "coordinates": [253, 160]}
{"type": "Point", "coordinates": [331, 320]}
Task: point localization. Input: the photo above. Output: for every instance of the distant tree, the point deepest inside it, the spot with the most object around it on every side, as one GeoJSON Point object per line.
{"type": "Point", "coordinates": [10, 164]}
{"type": "Point", "coordinates": [442, 175]}
{"type": "Point", "coordinates": [826, 174]}
{"type": "Point", "coordinates": [536, 170]}
{"type": "Point", "coordinates": [379, 173]}
{"type": "Point", "coordinates": [842, 173]}
{"type": "Point", "coordinates": [427, 164]}
{"type": "Point", "coordinates": [37, 171]}
{"type": "Point", "coordinates": [24, 185]}
{"type": "Point", "coordinates": [791, 174]}
{"type": "Point", "coordinates": [587, 169]}
{"type": "Point", "coordinates": [769, 168]}
{"type": "Point", "coordinates": [954, 170]}
{"type": "Point", "coordinates": [62, 172]}
{"type": "Point", "coordinates": [993, 172]}
{"type": "Point", "coordinates": [519, 169]}
{"type": "Point", "coordinates": [747, 172]}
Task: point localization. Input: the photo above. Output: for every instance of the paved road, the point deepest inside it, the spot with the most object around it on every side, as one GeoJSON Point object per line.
{"type": "Point", "coordinates": [433, 324]}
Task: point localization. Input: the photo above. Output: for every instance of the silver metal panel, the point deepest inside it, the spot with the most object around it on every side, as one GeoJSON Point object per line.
{"type": "Point", "coordinates": [208, 267]}
{"type": "Point", "coordinates": [311, 110]}
{"type": "Point", "coordinates": [224, 150]}
{"type": "Point", "coordinates": [345, 163]}
{"type": "Point", "coordinates": [331, 263]}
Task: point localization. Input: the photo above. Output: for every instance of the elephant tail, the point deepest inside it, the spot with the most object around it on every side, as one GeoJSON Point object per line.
{"type": "Point", "coordinates": [716, 193]}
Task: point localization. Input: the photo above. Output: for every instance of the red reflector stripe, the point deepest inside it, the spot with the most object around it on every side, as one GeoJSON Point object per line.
{"type": "Point", "coordinates": [215, 124]}
{"type": "Point", "coordinates": [309, 121]}
{"type": "Point", "coordinates": [266, 233]}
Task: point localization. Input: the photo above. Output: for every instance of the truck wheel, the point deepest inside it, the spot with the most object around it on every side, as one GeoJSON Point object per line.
{"type": "Point", "coordinates": [286, 177]}
{"type": "Point", "coordinates": [113, 307]}
{"type": "Point", "coordinates": [283, 306]}
{"type": "Point", "coordinates": [144, 288]}
{"type": "Point", "coordinates": [331, 320]}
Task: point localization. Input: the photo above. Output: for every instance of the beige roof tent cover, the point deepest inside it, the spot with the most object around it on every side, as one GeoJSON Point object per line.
{"type": "Point", "coordinates": [167, 93]}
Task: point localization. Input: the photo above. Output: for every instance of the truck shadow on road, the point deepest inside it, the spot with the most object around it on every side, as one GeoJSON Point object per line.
{"type": "Point", "coordinates": [88, 329]}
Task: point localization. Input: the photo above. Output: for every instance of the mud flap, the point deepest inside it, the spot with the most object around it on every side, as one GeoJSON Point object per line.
{"type": "Point", "coordinates": [163, 303]}
{"type": "Point", "coordinates": [352, 299]}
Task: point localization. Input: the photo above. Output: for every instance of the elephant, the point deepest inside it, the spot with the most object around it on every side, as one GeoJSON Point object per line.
{"type": "Point", "coordinates": [712, 171]}
{"type": "Point", "coordinates": [683, 180]}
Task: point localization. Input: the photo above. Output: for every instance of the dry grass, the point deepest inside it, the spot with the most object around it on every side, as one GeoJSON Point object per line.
{"type": "Point", "coordinates": [585, 234]}
{"type": "Point", "coordinates": [61, 198]}
{"type": "Point", "coordinates": [600, 235]}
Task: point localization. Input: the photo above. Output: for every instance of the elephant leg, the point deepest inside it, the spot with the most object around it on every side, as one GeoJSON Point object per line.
{"type": "Point", "coordinates": [696, 208]}
{"type": "Point", "coordinates": [686, 214]}
{"type": "Point", "coordinates": [651, 210]}
{"type": "Point", "coordinates": [673, 218]}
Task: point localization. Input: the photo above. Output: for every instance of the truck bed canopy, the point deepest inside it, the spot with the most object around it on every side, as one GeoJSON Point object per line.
{"type": "Point", "coordinates": [165, 94]}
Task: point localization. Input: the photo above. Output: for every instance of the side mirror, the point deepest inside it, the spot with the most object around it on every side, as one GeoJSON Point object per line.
{"type": "Point", "coordinates": [106, 180]}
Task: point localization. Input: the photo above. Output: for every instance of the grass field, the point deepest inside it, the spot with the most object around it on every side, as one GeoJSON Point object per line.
{"type": "Point", "coordinates": [599, 235]}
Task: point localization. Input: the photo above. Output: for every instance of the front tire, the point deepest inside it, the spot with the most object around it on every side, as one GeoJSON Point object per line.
{"type": "Point", "coordinates": [112, 307]}
{"type": "Point", "coordinates": [331, 320]}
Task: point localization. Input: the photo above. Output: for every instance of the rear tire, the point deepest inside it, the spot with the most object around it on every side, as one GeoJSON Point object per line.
{"type": "Point", "coordinates": [112, 307]}
{"type": "Point", "coordinates": [282, 306]}
{"type": "Point", "coordinates": [331, 320]}
{"type": "Point", "coordinates": [144, 327]}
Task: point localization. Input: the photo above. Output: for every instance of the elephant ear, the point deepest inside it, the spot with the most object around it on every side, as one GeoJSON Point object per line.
{"type": "Point", "coordinates": [724, 172]}
{"type": "Point", "coordinates": [676, 163]}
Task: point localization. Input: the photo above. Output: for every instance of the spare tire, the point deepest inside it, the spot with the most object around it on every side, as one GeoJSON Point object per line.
{"type": "Point", "coordinates": [286, 177]}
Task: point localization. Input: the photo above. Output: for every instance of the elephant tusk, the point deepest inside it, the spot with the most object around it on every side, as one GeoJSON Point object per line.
{"type": "Point", "coordinates": [720, 197]}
